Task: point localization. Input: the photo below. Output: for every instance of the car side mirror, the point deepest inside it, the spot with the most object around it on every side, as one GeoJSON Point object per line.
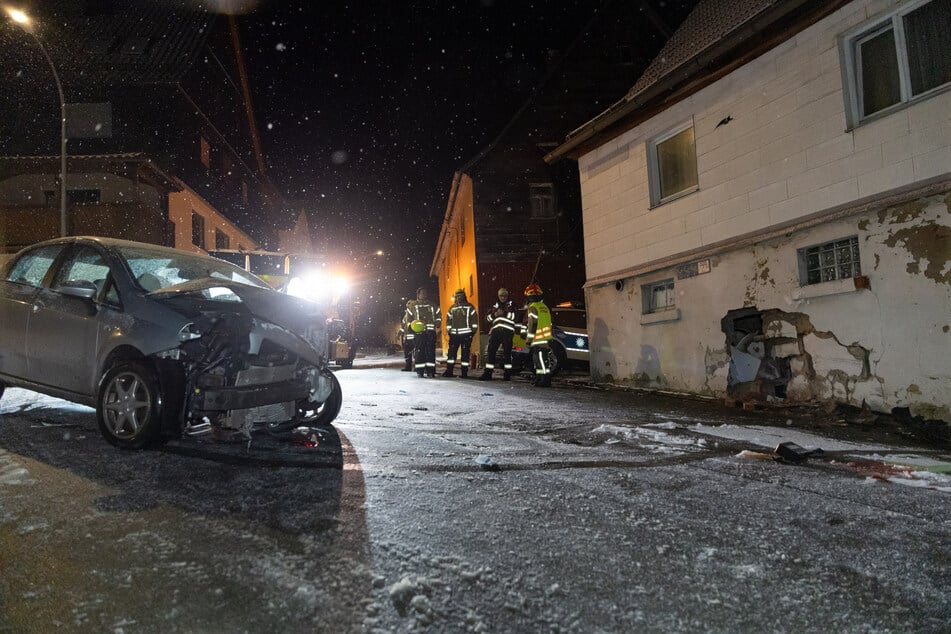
{"type": "Point", "coordinates": [78, 288]}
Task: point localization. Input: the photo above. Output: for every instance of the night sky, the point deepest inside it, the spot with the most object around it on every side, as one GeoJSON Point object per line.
{"type": "Point", "coordinates": [367, 108]}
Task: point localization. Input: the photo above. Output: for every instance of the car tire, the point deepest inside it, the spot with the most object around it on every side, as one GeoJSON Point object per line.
{"type": "Point", "coordinates": [2, 388]}
{"type": "Point", "coordinates": [129, 405]}
{"type": "Point", "coordinates": [557, 358]}
{"type": "Point", "coordinates": [327, 411]}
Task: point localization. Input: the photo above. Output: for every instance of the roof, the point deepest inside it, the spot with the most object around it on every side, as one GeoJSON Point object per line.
{"type": "Point", "coordinates": [170, 182]}
{"type": "Point", "coordinates": [707, 24]}
{"type": "Point", "coordinates": [126, 43]}
{"type": "Point", "coordinates": [717, 37]}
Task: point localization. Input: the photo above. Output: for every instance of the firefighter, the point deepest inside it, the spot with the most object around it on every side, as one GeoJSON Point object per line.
{"type": "Point", "coordinates": [502, 318]}
{"type": "Point", "coordinates": [462, 321]}
{"type": "Point", "coordinates": [424, 320]}
{"type": "Point", "coordinates": [405, 335]}
{"type": "Point", "coordinates": [538, 334]}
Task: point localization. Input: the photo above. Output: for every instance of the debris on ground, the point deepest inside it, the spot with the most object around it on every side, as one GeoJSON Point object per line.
{"type": "Point", "coordinates": [487, 462]}
{"type": "Point", "coordinates": [794, 454]}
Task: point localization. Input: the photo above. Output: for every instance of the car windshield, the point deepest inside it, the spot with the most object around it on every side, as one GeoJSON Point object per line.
{"type": "Point", "coordinates": [158, 269]}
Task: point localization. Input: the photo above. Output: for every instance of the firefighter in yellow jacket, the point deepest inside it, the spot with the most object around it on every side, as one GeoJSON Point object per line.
{"type": "Point", "coordinates": [425, 320]}
{"type": "Point", "coordinates": [538, 334]}
{"type": "Point", "coordinates": [462, 321]}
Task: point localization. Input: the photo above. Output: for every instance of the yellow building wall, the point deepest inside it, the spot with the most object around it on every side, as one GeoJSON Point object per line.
{"type": "Point", "coordinates": [459, 267]}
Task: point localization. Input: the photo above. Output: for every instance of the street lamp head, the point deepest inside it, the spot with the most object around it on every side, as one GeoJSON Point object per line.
{"type": "Point", "coordinates": [19, 17]}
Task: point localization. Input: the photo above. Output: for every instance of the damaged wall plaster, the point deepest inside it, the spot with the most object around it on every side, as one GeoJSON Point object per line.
{"type": "Point", "coordinates": [883, 346]}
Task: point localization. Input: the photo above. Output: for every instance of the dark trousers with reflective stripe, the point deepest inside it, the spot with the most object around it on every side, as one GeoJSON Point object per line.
{"type": "Point", "coordinates": [499, 337]}
{"type": "Point", "coordinates": [540, 359]}
{"type": "Point", "coordinates": [455, 342]}
{"type": "Point", "coordinates": [425, 344]}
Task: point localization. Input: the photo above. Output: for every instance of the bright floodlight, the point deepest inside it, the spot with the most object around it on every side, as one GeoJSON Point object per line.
{"type": "Point", "coordinates": [17, 16]}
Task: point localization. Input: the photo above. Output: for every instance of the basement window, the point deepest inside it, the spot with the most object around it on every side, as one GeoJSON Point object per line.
{"type": "Point", "coordinates": [836, 260]}
{"type": "Point", "coordinates": [658, 296]}
{"type": "Point", "coordinates": [672, 164]}
{"type": "Point", "coordinates": [897, 58]}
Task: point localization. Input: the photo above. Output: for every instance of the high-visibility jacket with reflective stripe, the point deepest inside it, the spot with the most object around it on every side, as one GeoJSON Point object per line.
{"type": "Point", "coordinates": [502, 315]}
{"type": "Point", "coordinates": [539, 324]}
{"type": "Point", "coordinates": [424, 312]}
{"type": "Point", "coordinates": [462, 319]}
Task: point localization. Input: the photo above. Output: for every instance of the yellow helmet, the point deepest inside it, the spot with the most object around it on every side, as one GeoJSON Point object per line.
{"type": "Point", "coordinates": [417, 326]}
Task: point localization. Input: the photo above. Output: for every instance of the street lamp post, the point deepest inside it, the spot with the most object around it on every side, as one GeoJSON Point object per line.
{"type": "Point", "coordinates": [24, 21]}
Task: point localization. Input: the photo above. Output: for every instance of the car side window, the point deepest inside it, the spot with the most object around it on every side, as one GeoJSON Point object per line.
{"type": "Point", "coordinates": [31, 267]}
{"type": "Point", "coordinates": [84, 265]}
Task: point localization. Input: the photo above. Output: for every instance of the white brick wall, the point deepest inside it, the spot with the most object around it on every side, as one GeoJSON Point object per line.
{"type": "Point", "coordinates": [786, 153]}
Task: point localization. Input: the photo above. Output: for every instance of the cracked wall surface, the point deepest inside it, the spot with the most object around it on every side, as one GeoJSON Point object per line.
{"type": "Point", "coordinates": [882, 340]}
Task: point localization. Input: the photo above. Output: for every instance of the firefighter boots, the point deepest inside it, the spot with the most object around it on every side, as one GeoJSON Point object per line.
{"type": "Point", "coordinates": [507, 376]}
{"type": "Point", "coordinates": [486, 375]}
{"type": "Point", "coordinates": [448, 371]}
{"type": "Point", "coordinates": [465, 373]}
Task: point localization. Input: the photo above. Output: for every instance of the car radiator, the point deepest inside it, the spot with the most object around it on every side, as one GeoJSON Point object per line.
{"type": "Point", "coordinates": [244, 419]}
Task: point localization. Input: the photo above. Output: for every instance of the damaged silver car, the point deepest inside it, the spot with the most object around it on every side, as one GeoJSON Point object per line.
{"type": "Point", "coordinates": [162, 342]}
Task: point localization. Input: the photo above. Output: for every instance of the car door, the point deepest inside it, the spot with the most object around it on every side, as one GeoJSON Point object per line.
{"type": "Point", "coordinates": [63, 331]}
{"type": "Point", "coordinates": [18, 291]}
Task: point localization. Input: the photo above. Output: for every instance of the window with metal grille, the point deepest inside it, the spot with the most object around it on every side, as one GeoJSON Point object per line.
{"type": "Point", "coordinates": [896, 58]}
{"type": "Point", "coordinates": [657, 296]}
{"type": "Point", "coordinates": [836, 260]}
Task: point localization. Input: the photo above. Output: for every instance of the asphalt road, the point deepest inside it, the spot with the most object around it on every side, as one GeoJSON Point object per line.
{"type": "Point", "coordinates": [460, 506]}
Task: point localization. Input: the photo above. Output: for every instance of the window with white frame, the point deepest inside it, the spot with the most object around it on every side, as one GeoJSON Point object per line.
{"type": "Point", "coordinates": [896, 58]}
{"type": "Point", "coordinates": [835, 260]}
{"type": "Point", "coordinates": [672, 164]}
{"type": "Point", "coordinates": [542, 196]}
{"type": "Point", "coordinates": [658, 296]}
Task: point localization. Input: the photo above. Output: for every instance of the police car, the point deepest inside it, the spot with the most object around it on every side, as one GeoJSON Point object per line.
{"type": "Point", "coordinates": [569, 344]}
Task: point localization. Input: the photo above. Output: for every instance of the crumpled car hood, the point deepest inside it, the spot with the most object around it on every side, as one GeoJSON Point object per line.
{"type": "Point", "coordinates": [302, 317]}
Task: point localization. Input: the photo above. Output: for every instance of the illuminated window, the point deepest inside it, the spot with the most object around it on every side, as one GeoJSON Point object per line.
{"type": "Point", "coordinates": [205, 152]}
{"type": "Point", "coordinates": [672, 164]}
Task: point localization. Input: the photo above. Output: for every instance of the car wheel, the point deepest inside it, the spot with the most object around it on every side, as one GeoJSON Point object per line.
{"type": "Point", "coordinates": [129, 406]}
{"type": "Point", "coordinates": [557, 358]}
{"type": "Point", "coordinates": [325, 413]}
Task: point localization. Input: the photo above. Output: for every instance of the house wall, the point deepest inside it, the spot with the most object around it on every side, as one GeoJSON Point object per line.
{"type": "Point", "coordinates": [785, 156]}
{"type": "Point", "coordinates": [27, 189]}
{"type": "Point", "coordinates": [127, 209]}
{"type": "Point", "coordinates": [459, 266]}
{"type": "Point", "coordinates": [180, 207]}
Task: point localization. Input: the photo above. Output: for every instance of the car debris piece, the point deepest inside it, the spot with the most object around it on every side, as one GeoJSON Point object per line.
{"type": "Point", "coordinates": [793, 453]}
{"type": "Point", "coordinates": [487, 462]}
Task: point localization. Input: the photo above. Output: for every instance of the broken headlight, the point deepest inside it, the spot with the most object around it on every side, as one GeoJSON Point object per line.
{"type": "Point", "coordinates": [188, 332]}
